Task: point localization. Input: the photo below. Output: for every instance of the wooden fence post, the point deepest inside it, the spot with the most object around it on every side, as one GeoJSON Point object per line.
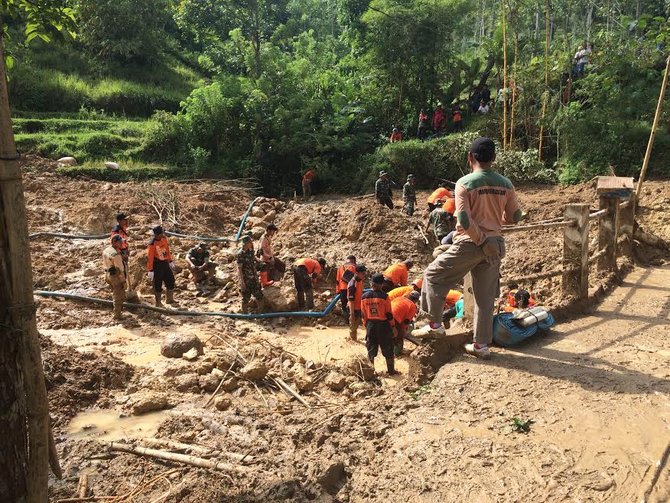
{"type": "Point", "coordinates": [468, 299]}
{"type": "Point", "coordinates": [627, 226]}
{"type": "Point", "coordinates": [575, 281]}
{"type": "Point", "coordinates": [608, 228]}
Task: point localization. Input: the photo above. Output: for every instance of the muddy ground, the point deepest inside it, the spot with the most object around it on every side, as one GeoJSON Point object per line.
{"type": "Point", "coordinates": [593, 394]}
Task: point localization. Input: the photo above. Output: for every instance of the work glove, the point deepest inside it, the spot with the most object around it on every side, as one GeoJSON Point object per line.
{"type": "Point", "coordinates": [491, 250]}
{"type": "Point", "coordinates": [172, 266]}
{"type": "Point", "coordinates": [150, 275]}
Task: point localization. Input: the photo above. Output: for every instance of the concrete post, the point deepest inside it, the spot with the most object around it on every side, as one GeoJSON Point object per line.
{"type": "Point", "coordinates": [627, 225]}
{"type": "Point", "coordinates": [575, 280]}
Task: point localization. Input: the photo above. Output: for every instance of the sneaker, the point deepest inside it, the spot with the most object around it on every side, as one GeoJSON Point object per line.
{"type": "Point", "coordinates": [428, 331]}
{"type": "Point", "coordinates": [483, 353]}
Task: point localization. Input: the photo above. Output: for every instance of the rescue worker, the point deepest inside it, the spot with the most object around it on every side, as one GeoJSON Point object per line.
{"type": "Point", "coordinates": [306, 271]}
{"type": "Point", "coordinates": [397, 275]}
{"type": "Point", "coordinates": [248, 275]}
{"type": "Point", "coordinates": [441, 221]}
{"type": "Point", "coordinates": [404, 291]}
{"type": "Point", "coordinates": [115, 272]}
{"type": "Point", "coordinates": [422, 129]}
{"type": "Point", "coordinates": [437, 197]}
{"type": "Point", "coordinates": [345, 273]}
{"type": "Point", "coordinates": [307, 179]}
{"type": "Point", "coordinates": [121, 229]}
{"type": "Point", "coordinates": [455, 311]}
{"type": "Point", "coordinates": [485, 200]}
{"type": "Point", "coordinates": [396, 135]}
{"type": "Point", "coordinates": [379, 325]}
{"type": "Point", "coordinates": [516, 298]}
{"type": "Point", "coordinates": [457, 118]}
{"type": "Point", "coordinates": [202, 270]}
{"type": "Point", "coordinates": [383, 192]}
{"type": "Point", "coordinates": [160, 266]}
{"type": "Point", "coordinates": [404, 311]}
{"type": "Point", "coordinates": [267, 256]}
{"type": "Point", "coordinates": [409, 195]}
{"type": "Point", "coordinates": [355, 294]}
{"type": "Point", "coordinates": [439, 120]}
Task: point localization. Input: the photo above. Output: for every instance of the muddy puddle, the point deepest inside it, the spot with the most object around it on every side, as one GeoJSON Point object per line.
{"type": "Point", "coordinates": [107, 425]}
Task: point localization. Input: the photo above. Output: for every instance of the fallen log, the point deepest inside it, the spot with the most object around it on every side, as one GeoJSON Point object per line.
{"type": "Point", "coordinates": [171, 444]}
{"type": "Point", "coordinates": [178, 458]}
{"type": "Point", "coordinates": [82, 486]}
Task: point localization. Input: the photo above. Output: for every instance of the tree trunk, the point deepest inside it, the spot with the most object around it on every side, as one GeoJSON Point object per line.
{"type": "Point", "coordinates": [24, 442]}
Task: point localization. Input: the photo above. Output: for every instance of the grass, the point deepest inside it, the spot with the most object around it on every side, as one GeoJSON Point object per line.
{"type": "Point", "coordinates": [129, 171]}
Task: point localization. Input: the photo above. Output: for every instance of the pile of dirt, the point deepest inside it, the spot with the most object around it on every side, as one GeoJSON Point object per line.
{"type": "Point", "coordinates": [77, 380]}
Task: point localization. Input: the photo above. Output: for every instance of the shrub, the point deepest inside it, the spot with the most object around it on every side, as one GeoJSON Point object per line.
{"type": "Point", "coordinates": [524, 167]}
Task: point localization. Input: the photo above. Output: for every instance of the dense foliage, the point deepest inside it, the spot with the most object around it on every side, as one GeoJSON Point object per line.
{"type": "Point", "coordinates": [267, 88]}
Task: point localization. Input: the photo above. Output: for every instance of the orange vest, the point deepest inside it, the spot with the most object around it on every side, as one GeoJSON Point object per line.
{"type": "Point", "coordinates": [452, 297]}
{"type": "Point", "coordinates": [439, 194]}
{"type": "Point", "coordinates": [341, 284]}
{"type": "Point", "coordinates": [355, 293]}
{"type": "Point", "coordinates": [397, 273]}
{"type": "Point", "coordinates": [375, 305]}
{"type": "Point", "coordinates": [312, 266]}
{"type": "Point", "coordinates": [404, 310]}
{"type": "Point", "coordinates": [449, 206]}
{"type": "Point", "coordinates": [158, 249]}
{"type": "Point", "coordinates": [401, 291]}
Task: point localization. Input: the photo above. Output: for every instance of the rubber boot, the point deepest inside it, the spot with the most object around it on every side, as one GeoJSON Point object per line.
{"type": "Point", "coordinates": [390, 365]}
{"type": "Point", "coordinates": [310, 299]}
{"type": "Point", "coordinates": [245, 306]}
{"type": "Point", "coordinates": [157, 296]}
{"type": "Point", "coordinates": [169, 297]}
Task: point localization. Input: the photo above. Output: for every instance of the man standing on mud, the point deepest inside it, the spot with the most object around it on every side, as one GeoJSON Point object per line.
{"type": "Point", "coordinates": [121, 229]}
{"type": "Point", "coordinates": [383, 192]}
{"type": "Point", "coordinates": [409, 195]}
{"type": "Point", "coordinates": [115, 273]}
{"type": "Point", "coordinates": [485, 200]}
{"type": "Point", "coordinates": [307, 179]}
{"type": "Point", "coordinates": [160, 266]}
{"type": "Point", "coordinates": [248, 275]}
{"type": "Point", "coordinates": [354, 293]}
{"type": "Point", "coordinates": [379, 325]}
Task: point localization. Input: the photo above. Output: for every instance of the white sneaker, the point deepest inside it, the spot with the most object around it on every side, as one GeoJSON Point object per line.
{"type": "Point", "coordinates": [428, 331]}
{"type": "Point", "coordinates": [483, 353]}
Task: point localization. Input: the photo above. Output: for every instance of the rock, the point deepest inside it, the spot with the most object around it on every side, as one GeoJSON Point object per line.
{"type": "Point", "coordinates": [187, 383]}
{"type": "Point", "coordinates": [222, 278]}
{"type": "Point", "coordinates": [280, 298]}
{"type": "Point", "coordinates": [255, 222]}
{"type": "Point", "coordinates": [148, 403]}
{"type": "Point", "coordinates": [254, 370]}
{"type": "Point", "coordinates": [222, 403]}
{"type": "Point", "coordinates": [257, 212]}
{"type": "Point", "coordinates": [270, 216]}
{"type": "Point", "coordinates": [90, 272]}
{"type": "Point", "coordinates": [335, 381]}
{"type": "Point", "coordinates": [67, 161]}
{"type": "Point", "coordinates": [257, 232]}
{"type": "Point", "coordinates": [303, 381]}
{"type": "Point", "coordinates": [175, 345]}
{"type": "Point", "coordinates": [361, 368]}
{"type": "Point", "coordinates": [331, 478]}
{"type": "Point", "coordinates": [111, 165]}
{"type": "Point", "coordinates": [229, 384]}
{"type": "Point", "coordinates": [208, 383]}
{"type": "Point", "coordinates": [190, 355]}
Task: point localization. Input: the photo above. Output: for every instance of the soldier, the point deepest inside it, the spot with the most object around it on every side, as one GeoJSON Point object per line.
{"type": "Point", "coordinates": [201, 268]}
{"type": "Point", "coordinates": [115, 272]}
{"type": "Point", "coordinates": [409, 195]}
{"type": "Point", "coordinates": [383, 192]}
{"type": "Point", "coordinates": [248, 275]}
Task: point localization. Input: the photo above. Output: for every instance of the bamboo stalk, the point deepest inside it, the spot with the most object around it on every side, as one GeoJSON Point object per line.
{"type": "Point", "coordinates": [652, 135]}
{"type": "Point", "coordinates": [504, 94]}
{"type": "Point", "coordinates": [178, 458]}
{"type": "Point", "coordinates": [171, 444]}
{"type": "Point", "coordinates": [546, 78]}
{"type": "Point", "coordinates": [82, 486]}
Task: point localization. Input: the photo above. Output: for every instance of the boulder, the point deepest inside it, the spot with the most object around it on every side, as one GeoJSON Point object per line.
{"type": "Point", "coordinates": [360, 368]}
{"type": "Point", "coordinates": [187, 383]}
{"type": "Point", "coordinates": [208, 382]}
{"type": "Point", "coordinates": [111, 165]}
{"type": "Point", "coordinates": [90, 272]}
{"type": "Point", "coordinates": [257, 232]}
{"type": "Point", "coordinates": [257, 212]}
{"type": "Point", "coordinates": [148, 403]}
{"type": "Point", "coordinates": [255, 222]}
{"type": "Point", "coordinates": [303, 381]}
{"type": "Point", "coordinates": [67, 161]}
{"type": "Point", "coordinates": [175, 345]}
{"type": "Point", "coordinates": [335, 381]}
{"type": "Point", "coordinates": [222, 278]}
{"type": "Point", "coordinates": [230, 384]}
{"type": "Point", "coordinates": [254, 370]}
{"type": "Point", "coordinates": [280, 298]}
{"type": "Point", "coordinates": [270, 216]}
{"type": "Point", "coordinates": [222, 403]}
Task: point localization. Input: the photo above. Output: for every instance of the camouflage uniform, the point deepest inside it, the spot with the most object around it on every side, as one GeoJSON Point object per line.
{"type": "Point", "coordinates": [409, 198]}
{"type": "Point", "coordinates": [383, 192]}
{"type": "Point", "coordinates": [246, 261]}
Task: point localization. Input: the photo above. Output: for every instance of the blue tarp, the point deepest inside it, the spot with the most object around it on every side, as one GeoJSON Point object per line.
{"type": "Point", "coordinates": [506, 332]}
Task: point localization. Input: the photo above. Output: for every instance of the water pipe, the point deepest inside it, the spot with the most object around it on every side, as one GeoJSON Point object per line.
{"type": "Point", "coordinates": [197, 238]}
{"type": "Point", "coordinates": [173, 312]}
{"type": "Point", "coordinates": [66, 236]}
{"type": "Point", "coordinates": [244, 219]}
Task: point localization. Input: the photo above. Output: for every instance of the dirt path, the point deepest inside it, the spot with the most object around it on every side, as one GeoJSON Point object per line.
{"type": "Point", "coordinates": [597, 390]}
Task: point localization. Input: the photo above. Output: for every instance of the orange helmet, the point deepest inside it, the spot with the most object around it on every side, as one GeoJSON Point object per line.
{"type": "Point", "coordinates": [450, 206]}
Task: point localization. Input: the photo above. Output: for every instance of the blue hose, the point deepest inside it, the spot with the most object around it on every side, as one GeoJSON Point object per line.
{"type": "Point", "coordinates": [244, 219]}
{"type": "Point", "coordinates": [241, 316]}
{"type": "Point", "coordinates": [197, 238]}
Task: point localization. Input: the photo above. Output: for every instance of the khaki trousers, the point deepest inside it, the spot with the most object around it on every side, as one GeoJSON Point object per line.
{"type": "Point", "coordinates": [449, 269]}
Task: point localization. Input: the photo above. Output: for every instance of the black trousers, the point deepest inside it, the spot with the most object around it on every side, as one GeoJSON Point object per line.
{"type": "Point", "coordinates": [163, 274]}
{"type": "Point", "coordinates": [378, 334]}
{"type": "Point", "coordinates": [303, 286]}
{"type": "Point", "coordinates": [386, 201]}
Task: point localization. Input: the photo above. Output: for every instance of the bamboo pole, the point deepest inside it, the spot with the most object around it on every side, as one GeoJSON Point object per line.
{"type": "Point", "coordinates": [652, 135]}
{"type": "Point", "coordinates": [546, 78]}
{"type": "Point", "coordinates": [28, 441]}
{"type": "Point", "coordinates": [514, 97]}
{"type": "Point", "coordinates": [504, 93]}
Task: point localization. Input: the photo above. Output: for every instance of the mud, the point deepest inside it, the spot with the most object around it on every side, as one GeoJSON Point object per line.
{"type": "Point", "coordinates": [596, 388]}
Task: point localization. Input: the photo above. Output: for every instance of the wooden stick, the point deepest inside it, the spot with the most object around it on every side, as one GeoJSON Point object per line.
{"type": "Point", "coordinates": [178, 458]}
{"type": "Point", "coordinates": [82, 486]}
{"type": "Point", "coordinates": [660, 464]}
{"type": "Point", "coordinates": [652, 135]}
{"type": "Point", "coordinates": [549, 225]}
{"type": "Point", "coordinates": [423, 235]}
{"type": "Point", "coordinates": [163, 442]}
{"type": "Point", "coordinates": [291, 391]}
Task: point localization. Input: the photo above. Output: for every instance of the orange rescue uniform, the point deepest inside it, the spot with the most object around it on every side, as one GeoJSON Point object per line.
{"type": "Point", "coordinates": [355, 293]}
{"type": "Point", "coordinates": [404, 311]}
{"type": "Point", "coordinates": [452, 297]}
{"type": "Point", "coordinates": [511, 302]}
{"type": "Point", "coordinates": [401, 291]}
{"type": "Point", "coordinates": [376, 306]}
{"type": "Point", "coordinates": [158, 249]}
{"type": "Point", "coordinates": [340, 283]}
{"type": "Point", "coordinates": [313, 267]}
{"type": "Point", "coordinates": [397, 274]}
{"type": "Point", "coordinates": [449, 206]}
{"type": "Point", "coordinates": [308, 176]}
{"type": "Point", "coordinates": [439, 194]}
